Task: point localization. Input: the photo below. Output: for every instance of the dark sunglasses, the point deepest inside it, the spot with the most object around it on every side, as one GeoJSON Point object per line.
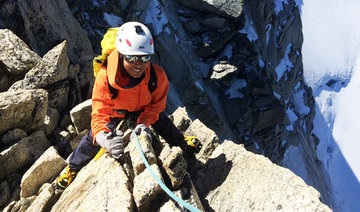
{"type": "Point", "coordinates": [134, 58]}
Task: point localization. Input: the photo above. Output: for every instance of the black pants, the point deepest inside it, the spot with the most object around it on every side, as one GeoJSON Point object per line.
{"type": "Point", "coordinates": [86, 151]}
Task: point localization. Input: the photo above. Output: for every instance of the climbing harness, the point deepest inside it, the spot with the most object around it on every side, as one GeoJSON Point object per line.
{"type": "Point", "coordinates": [162, 185]}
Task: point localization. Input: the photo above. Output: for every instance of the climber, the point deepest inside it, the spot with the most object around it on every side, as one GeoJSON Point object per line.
{"type": "Point", "coordinates": [121, 91]}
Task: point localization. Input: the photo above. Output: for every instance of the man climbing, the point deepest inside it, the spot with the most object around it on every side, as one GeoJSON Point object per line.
{"type": "Point", "coordinates": [129, 87]}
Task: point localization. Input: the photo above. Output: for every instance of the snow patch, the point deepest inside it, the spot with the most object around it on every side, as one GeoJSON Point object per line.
{"type": "Point", "coordinates": [156, 17]}
{"type": "Point", "coordinates": [279, 5]}
{"type": "Point", "coordinates": [300, 107]}
{"type": "Point", "coordinates": [234, 90]}
{"type": "Point", "coordinates": [285, 64]}
{"type": "Point", "coordinates": [249, 29]}
{"type": "Point", "coordinates": [112, 20]}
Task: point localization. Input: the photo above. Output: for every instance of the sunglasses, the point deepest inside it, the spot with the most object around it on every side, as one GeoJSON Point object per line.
{"type": "Point", "coordinates": [134, 58]}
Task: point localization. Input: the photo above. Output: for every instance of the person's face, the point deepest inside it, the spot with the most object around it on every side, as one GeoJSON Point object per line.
{"type": "Point", "coordinates": [135, 69]}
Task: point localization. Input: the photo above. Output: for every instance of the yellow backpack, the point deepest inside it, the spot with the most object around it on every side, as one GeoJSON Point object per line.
{"type": "Point", "coordinates": [107, 46]}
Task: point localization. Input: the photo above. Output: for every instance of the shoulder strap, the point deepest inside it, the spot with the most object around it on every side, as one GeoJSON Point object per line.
{"type": "Point", "coordinates": [113, 91]}
{"type": "Point", "coordinates": [152, 84]}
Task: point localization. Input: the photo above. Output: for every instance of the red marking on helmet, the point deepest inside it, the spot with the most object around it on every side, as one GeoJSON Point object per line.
{"type": "Point", "coordinates": [128, 42]}
{"type": "Point", "coordinates": [151, 41]}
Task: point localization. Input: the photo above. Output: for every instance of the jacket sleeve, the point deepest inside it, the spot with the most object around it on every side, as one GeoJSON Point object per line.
{"type": "Point", "coordinates": [102, 105]}
{"type": "Point", "coordinates": [158, 100]}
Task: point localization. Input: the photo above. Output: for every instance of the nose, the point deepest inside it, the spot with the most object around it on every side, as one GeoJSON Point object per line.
{"type": "Point", "coordinates": [139, 63]}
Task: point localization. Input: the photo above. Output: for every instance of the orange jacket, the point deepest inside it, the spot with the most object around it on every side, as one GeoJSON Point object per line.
{"type": "Point", "coordinates": [130, 99]}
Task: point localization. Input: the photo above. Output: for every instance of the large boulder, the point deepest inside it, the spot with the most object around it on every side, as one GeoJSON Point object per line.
{"type": "Point", "coordinates": [101, 185]}
{"type": "Point", "coordinates": [15, 54]}
{"type": "Point", "coordinates": [24, 109]}
{"type": "Point", "coordinates": [43, 199]}
{"type": "Point", "coordinates": [21, 154]}
{"type": "Point", "coordinates": [52, 68]}
{"type": "Point", "coordinates": [238, 180]}
{"type": "Point", "coordinates": [42, 171]}
{"type": "Point", "coordinates": [81, 116]}
{"type": "Point", "coordinates": [44, 28]}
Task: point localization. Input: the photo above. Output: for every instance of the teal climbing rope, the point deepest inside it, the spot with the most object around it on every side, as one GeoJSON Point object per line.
{"type": "Point", "coordinates": [162, 185]}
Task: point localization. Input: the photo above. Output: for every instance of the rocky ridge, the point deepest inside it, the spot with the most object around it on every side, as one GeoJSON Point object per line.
{"type": "Point", "coordinates": [33, 121]}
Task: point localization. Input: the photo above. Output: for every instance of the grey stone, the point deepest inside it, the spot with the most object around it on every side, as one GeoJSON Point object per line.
{"type": "Point", "coordinates": [81, 116]}
{"type": "Point", "coordinates": [15, 54]}
{"type": "Point", "coordinates": [51, 121]}
{"type": "Point", "coordinates": [146, 189]}
{"type": "Point", "coordinates": [22, 153]}
{"type": "Point", "coordinates": [59, 95]}
{"type": "Point", "coordinates": [225, 74]}
{"type": "Point", "coordinates": [51, 69]}
{"type": "Point", "coordinates": [25, 109]}
{"type": "Point", "coordinates": [13, 136]}
{"type": "Point", "coordinates": [100, 185]}
{"type": "Point", "coordinates": [46, 192]}
{"type": "Point", "coordinates": [187, 193]}
{"type": "Point", "coordinates": [207, 137]}
{"type": "Point", "coordinates": [241, 172]}
{"type": "Point", "coordinates": [42, 171]}
{"type": "Point", "coordinates": [147, 149]}
{"type": "Point", "coordinates": [10, 206]}
{"type": "Point", "coordinates": [175, 167]}
{"type": "Point", "coordinates": [63, 137]}
{"type": "Point", "coordinates": [170, 206]}
{"type": "Point", "coordinates": [23, 204]}
{"type": "Point", "coordinates": [180, 118]}
{"type": "Point", "coordinates": [71, 129]}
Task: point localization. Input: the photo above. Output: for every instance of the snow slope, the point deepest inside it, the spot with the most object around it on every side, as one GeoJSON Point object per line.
{"type": "Point", "coordinates": [331, 57]}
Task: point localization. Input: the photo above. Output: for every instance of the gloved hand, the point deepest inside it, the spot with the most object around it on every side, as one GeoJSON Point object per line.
{"type": "Point", "coordinates": [142, 128]}
{"type": "Point", "coordinates": [114, 144]}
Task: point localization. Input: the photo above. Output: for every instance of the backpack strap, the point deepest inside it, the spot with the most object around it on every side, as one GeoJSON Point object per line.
{"type": "Point", "coordinates": [113, 91]}
{"type": "Point", "coordinates": [152, 84]}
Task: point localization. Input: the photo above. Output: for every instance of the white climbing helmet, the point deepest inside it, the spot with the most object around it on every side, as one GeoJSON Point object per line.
{"type": "Point", "coordinates": [134, 38]}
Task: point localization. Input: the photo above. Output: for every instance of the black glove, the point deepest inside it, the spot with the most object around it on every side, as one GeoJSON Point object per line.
{"type": "Point", "coordinates": [114, 144]}
{"type": "Point", "coordinates": [193, 144]}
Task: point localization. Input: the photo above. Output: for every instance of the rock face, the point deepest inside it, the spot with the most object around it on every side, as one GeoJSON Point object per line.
{"type": "Point", "coordinates": [45, 24]}
{"type": "Point", "coordinates": [101, 185]}
{"type": "Point", "coordinates": [230, 179]}
{"type": "Point", "coordinates": [251, 182]}
{"type": "Point", "coordinates": [231, 8]}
